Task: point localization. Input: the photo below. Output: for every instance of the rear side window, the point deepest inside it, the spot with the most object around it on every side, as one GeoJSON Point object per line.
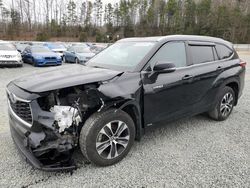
{"type": "Point", "coordinates": [201, 54]}
{"type": "Point", "coordinates": [223, 51]}
{"type": "Point", "coordinates": [172, 52]}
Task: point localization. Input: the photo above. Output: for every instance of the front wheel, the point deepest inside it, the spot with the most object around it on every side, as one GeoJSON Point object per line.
{"type": "Point", "coordinates": [33, 62]}
{"type": "Point", "coordinates": [77, 61]}
{"type": "Point", "coordinates": [224, 104]}
{"type": "Point", "coordinates": [64, 59]}
{"type": "Point", "coordinates": [107, 137]}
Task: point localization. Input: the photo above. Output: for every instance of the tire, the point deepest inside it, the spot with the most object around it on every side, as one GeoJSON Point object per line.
{"type": "Point", "coordinates": [64, 59]}
{"type": "Point", "coordinates": [77, 61]}
{"type": "Point", "coordinates": [34, 63]}
{"type": "Point", "coordinates": [225, 102]}
{"type": "Point", "coordinates": [92, 136]}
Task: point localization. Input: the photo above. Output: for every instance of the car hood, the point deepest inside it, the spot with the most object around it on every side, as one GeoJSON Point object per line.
{"type": "Point", "coordinates": [64, 77]}
{"type": "Point", "coordinates": [45, 54]}
{"type": "Point", "coordinates": [12, 52]}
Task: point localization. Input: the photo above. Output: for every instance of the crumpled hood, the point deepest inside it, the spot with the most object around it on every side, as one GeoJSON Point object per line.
{"type": "Point", "coordinates": [63, 77]}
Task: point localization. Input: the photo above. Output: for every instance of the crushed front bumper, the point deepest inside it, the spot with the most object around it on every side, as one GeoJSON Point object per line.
{"type": "Point", "coordinates": [37, 142]}
{"type": "Point", "coordinates": [18, 133]}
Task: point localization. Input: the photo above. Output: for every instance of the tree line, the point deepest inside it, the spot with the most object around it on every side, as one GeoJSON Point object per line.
{"type": "Point", "coordinates": [94, 20]}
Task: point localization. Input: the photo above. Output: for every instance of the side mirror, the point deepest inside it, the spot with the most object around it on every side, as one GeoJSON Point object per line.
{"type": "Point", "coordinates": [164, 67]}
{"type": "Point", "coordinates": [72, 52]}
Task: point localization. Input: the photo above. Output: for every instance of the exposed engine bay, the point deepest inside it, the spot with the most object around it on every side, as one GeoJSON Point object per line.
{"type": "Point", "coordinates": [69, 107]}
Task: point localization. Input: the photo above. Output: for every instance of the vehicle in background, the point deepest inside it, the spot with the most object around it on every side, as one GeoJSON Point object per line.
{"type": "Point", "coordinates": [21, 47]}
{"type": "Point", "coordinates": [9, 56]}
{"type": "Point", "coordinates": [77, 54]}
{"type": "Point", "coordinates": [97, 48]}
{"type": "Point", "coordinates": [56, 47]}
{"type": "Point", "coordinates": [79, 44]}
{"type": "Point", "coordinates": [41, 56]}
{"type": "Point", "coordinates": [36, 43]}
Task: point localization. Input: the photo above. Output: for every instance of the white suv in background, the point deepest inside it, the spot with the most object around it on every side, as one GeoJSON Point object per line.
{"type": "Point", "coordinates": [9, 55]}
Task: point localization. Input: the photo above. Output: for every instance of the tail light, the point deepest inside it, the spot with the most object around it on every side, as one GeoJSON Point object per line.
{"type": "Point", "coordinates": [243, 63]}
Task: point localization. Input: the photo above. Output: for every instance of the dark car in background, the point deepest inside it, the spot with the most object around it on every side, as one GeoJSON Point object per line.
{"type": "Point", "coordinates": [77, 54]}
{"type": "Point", "coordinates": [40, 56]}
{"type": "Point", "coordinates": [121, 92]}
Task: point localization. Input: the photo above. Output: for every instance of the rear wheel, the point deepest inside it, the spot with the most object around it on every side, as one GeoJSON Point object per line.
{"type": "Point", "coordinates": [107, 137]}
{"type": "Point", "coordinates": [224, 105]}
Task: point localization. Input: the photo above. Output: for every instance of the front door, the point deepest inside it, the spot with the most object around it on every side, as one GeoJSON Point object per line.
{"type": "Point", "coordinates": [166, 94]}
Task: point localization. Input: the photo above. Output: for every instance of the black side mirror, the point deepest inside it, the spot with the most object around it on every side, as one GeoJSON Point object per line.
{"type": "Point", "coordinates": [164, 67]}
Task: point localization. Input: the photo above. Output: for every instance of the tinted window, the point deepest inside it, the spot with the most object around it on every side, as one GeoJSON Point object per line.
{"type": "Point", "coordinates": [173, 52]}
{"type": "Point", "coordinates": [202, 54]}
{"type": "Point", "coordinates": [223, 51]}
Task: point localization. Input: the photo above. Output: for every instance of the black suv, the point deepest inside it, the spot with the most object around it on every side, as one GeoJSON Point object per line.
{"type": "Point", "coordinates": [104, 105]}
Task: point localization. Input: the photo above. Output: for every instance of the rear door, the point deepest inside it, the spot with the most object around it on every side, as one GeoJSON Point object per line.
{"type": "Point", "coordinates": [204, 69]}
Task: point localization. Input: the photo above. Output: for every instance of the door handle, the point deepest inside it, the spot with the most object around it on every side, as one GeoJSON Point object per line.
{"type": "Point", "coordinates": [219, 68]}
{"type": "Point", "coordinates": [187, 77]}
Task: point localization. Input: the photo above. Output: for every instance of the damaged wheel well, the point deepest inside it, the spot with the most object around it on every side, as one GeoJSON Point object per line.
{"type": "Point", "coordinates": [135, 114]}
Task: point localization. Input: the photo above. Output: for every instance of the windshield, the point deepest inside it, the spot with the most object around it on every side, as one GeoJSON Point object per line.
{"type": "Point", "coordinates": [81, 49]}
{"type": "Point", "coordinates": [7, 47]}
{"type": "Point", "coordinates": [40, 49]}
{"type": "Point", "coordinates": [123, 56]}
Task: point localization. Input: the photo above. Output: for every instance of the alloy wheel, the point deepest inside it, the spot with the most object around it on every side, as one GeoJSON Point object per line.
{"type": "Point", "coordinates": [112, 139]}
{"type": "Point", "coordinates": [226, 104]}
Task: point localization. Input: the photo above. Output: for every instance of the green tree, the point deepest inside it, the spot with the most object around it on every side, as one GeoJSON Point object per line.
{"type": "Point", "coordinates": [88, 14]}
{"type": "Point", "coordinates": [98, 12]}
{"type": "Point", "coordinates": [189, 16]}
{"type": "Point", "coordinates": [71, 8]}
{"type": "Point", "coordinates": [204, 17]}
{"type": "Point", "coordinates": [15, 22]}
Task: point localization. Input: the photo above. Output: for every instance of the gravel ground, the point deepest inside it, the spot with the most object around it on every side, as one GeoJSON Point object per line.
{"type": "Point", "coordinates": [193, 152]}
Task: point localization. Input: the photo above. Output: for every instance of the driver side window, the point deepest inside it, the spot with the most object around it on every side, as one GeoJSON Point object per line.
{"type": "Point", "coordinates": [172, 52]}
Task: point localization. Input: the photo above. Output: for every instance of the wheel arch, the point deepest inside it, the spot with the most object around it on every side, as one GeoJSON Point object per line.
{"type": "Point", "coordinates": [234, 84]}
{"type": "Point", "coordinates": [134, 111]}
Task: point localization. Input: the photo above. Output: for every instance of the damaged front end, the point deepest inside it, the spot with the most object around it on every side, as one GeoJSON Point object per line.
{"type": "Point", "coordinates": [57, 118]}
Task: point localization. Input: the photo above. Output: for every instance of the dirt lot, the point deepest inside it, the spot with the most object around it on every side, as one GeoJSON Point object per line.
{"type": "Point", "coordinates": [194, 152]}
